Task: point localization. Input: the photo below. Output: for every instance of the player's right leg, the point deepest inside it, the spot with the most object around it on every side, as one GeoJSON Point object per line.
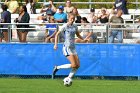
{"type": "Point", "coordinates": [73, 61]}
{"type": "Point", "coordinates": [74, 64]}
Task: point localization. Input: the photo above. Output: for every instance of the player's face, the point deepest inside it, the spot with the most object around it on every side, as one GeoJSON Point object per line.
{"type": "Point", "coordinates": [71, 19]}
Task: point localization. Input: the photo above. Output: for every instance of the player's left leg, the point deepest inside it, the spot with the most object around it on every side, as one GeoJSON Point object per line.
{"type": "Point", "coordinates": [75, 67]}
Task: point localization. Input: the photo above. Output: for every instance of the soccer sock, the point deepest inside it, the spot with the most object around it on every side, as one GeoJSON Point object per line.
{"type": "Point", "coordinates": [73, 71]}
{"type": "Point", "coordinates": [65, 66]}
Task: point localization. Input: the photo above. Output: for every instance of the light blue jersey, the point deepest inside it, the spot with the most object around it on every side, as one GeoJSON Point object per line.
{"type": "Point", "coordinates": [69, 32]}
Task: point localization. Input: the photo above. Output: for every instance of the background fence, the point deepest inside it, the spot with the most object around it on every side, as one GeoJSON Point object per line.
{"type": "Point", "coordinates": [37, 32]}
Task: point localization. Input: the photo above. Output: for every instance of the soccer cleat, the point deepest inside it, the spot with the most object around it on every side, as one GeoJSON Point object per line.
{"type": "Point", "coordinates": [54, 72]}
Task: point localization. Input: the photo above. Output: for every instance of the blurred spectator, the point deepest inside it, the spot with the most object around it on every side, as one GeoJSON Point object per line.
{"type": "Point", "coordinates": [138, 41]}
{"type": "Point", "coordinates": [77, 16]}
{"type": "Point", "coordinates": [50, 33]}
{"type": "Point", "coordinates": [104, 17]}
{"type": "Point", "coordinates": [87, 33]}
{"type": "Point", "coordinates": [1, 35]}
{"type": "Point", "coordinates": [68, 8]}
{"type": "Point", "coordinates": [5, 18]}
{"type": "Point", "coordinates": [23, 18]}
{"type": "Point", "coordinates": [116, 33]}
{"type": "Point", "coordinates": [30, 4]}
{"type": "Point", "coordinates": [138, 27]}
{"type": "Point", "coordinates": [121, 4]}
{"type": "Point", "coordinates": [50, 10]}
{"type": "Point", "coordinates": [112, 12]}
{"type": "Point", "coordinates": [91, 17]}
{"type": "Point", "coordinates": [12, 5]}
{"type": "Point", "coordinates": [60, 17]}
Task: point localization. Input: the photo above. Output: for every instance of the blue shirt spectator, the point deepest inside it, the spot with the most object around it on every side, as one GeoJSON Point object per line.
{"type": "Point", "coordinates": [51, 31]}
{"type": "Point", "coordinates": [60, 17]}
{"type": "Point", "coordinates": [121, 4]}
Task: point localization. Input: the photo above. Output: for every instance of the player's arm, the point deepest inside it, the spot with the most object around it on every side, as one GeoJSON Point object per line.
{"type": "Point", "coordinates": [56, 40]}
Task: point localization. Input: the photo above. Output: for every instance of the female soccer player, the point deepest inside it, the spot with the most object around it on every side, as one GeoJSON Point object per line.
{"type": "Point", "coordinates": [69, 30]}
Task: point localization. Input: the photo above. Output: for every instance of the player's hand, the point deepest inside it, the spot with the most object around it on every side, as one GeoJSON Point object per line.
{"type": "Point", "coordinates": [55, 47]}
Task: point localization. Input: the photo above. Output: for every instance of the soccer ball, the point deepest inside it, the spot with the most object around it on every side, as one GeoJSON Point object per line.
{"type": "Point", "coordinates": [67, 81]}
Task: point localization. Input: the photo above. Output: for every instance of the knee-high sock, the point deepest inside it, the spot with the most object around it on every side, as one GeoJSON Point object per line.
{"type": "Point", "coordinates": [65, 66]}
{"type": "Point", "coordinates": [73, 71]}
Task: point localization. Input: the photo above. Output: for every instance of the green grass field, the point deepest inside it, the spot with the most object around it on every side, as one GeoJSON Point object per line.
{"type": "Point", "coordinates": [56, 86]}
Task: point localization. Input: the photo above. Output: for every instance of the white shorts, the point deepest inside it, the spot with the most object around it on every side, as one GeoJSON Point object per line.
{"type": "Point", "coordinates": [69, 51]}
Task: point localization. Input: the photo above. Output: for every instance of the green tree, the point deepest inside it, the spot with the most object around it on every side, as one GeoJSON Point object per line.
{"type": "Point", "coordinates": [97, 6]}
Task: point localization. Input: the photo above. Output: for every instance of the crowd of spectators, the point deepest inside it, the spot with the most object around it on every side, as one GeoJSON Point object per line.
{"type": "Point", "coordinates": [52, 14]}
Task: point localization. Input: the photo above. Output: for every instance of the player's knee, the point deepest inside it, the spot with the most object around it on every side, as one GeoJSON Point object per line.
{"type": "Point", "coordinates": [75, 66]}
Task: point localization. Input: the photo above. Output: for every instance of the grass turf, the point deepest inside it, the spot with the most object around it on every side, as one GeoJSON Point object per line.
{"type": "Point", "coordinates": [56, 86]}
